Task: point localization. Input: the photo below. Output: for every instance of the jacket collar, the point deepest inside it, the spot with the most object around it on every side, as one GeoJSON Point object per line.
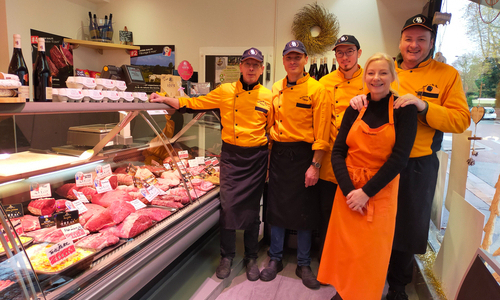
{"type": "Point", "coordinates": [356, 74]}
{"type": "Point", "coordinates": [425, 62]}
{"type": "Point", "coordinates": [301, 80]}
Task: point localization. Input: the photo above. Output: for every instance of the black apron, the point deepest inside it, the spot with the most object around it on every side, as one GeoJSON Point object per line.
{"type": "Point", "coordinates": [290, 204]}
{"type": "Point", "coordinates": [417, 184]}
{"type": "Point", "coordinates": [242, 177]}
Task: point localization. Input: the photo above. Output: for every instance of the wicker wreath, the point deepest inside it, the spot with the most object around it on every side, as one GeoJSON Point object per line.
{"type": "Point", "coordinates": [310, 16]}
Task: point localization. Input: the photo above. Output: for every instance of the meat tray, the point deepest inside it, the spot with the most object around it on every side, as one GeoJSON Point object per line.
{"type": "Point", "coordinates": [28, 240]}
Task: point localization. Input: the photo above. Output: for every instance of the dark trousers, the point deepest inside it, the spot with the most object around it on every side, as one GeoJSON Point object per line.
{"type": "Point", "coordinates": [400, 270]}
{"type": "Point", "coordinates": [250, 240]}
{"type": "Point", "coordinates": [327, 191]}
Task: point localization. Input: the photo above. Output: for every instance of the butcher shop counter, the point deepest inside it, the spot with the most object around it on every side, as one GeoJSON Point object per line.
{"type": "Point", "coordinates": [178, 174]}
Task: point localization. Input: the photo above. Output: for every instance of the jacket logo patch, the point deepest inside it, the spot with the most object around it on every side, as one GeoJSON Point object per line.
{"type": "Point", "coordinates": [303, 105]}
{"type": "Point", "coordinates": [261, 109]}
{"type": "Point", "coordinates": [429, 91]}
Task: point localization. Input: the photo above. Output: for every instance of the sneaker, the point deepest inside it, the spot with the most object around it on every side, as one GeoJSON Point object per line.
{"type": "Point", "coordinates": [308, 277]}
{"type": "Point", "coordinates": [253, 272]}
{"type": "Point", "coordinates": [272, 269]}
{"type": "Point", "coordinates": [395, 295]}
{"type": "Point", "coordinates": [224, 268]}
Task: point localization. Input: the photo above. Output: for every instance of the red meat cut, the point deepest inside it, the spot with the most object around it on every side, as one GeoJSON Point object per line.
{"type": "Point", "coordinates": [109, 197]}
{"type": "Point", "coordinates": [98, 241]}
{"type": "Point", "coordinates": [133, 225]}
{"type": "Point", "coordinates": [167, 203]}
{"type": "Point", "coordinates": [30, 223]}
{"type": "Point", "coordinates": [100, 221]}
{"type": "Point", "coordinates": [119, 210]}
{"type": "Point", "coordinates": [39, 235]}
{"type": "Point", "coordinates": [42, 207]}
{"type": "Point", "coordinates": [156, 214]}
{"type": "Point", "coordinates": [92, 209]}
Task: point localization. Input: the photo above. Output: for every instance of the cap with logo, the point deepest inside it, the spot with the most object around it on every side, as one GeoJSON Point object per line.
{"type": "Point", "coordinates": [418, 20]}
{"type": "Point", "coordinates": [347, 40]}
{"type": "Point", "coordinates": [252, 53]}
{"type": "Point", "coordinates": [294, 46]}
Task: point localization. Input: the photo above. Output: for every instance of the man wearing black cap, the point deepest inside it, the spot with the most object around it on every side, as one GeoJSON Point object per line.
{"type": "Point", "coordinates": [342, 85]}
{"type": "Point", "coordinates": [299, 135]}
{"type": "Point", "coordinates": [436, 90]}
{"type": "Point", "coordinates": [246, 115]}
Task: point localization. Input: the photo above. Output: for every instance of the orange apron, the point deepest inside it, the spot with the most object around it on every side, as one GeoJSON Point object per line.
{"type": "Point", "coordinates": [357, 248]}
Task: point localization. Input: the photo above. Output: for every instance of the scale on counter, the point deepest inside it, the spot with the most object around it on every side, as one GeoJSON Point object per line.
{"type": "Point", "coordinates": [132, 75]}
{"type": "Point", "coordinates": [90, 135]}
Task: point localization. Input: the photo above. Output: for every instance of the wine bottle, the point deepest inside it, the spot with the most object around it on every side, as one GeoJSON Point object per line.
{"type": "Point", "coordinates": [334, 65]}
{"type": "Point", "coordinates": [321, 70]}
{"type": "Point", "coordinates": [92, 28]}
{"type": "Point", "coordinates": [42, 78]}
{"type": "Point", "coordinates": [313, 69]}
{"type": "Point", "coordinates": [325, 62]}
{"type": "Point", "coordinates": [109, 32]}
{"type": "Point", "coordinates": [18, 67]}
{"type": "Point", "coordinates": [98, 33]}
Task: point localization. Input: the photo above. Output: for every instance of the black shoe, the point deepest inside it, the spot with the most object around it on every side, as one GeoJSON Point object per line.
{"type": "Point", "coordinates": [395, 295]}
{"type": "Point", "coordinates": [272, 269]}
{"type": "Point", "coordinates": [224, 268]}
{"type": "Point", "coordinates": [253, 272]}
{"type": "Point", "coordinates": [308, 277]}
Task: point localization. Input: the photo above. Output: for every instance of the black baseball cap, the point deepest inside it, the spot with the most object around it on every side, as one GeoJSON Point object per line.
{"type": "Point", "coordinates": [252, 53]}
{"type": "Point", "coordinates": [347, 40]}
{"type": "Point", "coordinates": [294, 46]}
{"type": "Point", "coordinates": [419, 20]}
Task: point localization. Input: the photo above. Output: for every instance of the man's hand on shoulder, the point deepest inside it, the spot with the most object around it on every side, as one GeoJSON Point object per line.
{"type": "Point", "coordinates": [358, 102]}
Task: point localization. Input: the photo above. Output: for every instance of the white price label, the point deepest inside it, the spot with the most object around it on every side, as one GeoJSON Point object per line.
{"type": "Point", "coordinates": [200, 160]}
{"type": "Point", "coordinates": [150, 192]}
{"type": "Point", "coordinates": [103, 171]}
{"type": "Point", "coordinates": [215, 161]}
{"type": "Point", "coordinates": [167, 166]}
{"type": "Point", "coordinates": [60, 251]}
{"type": "Point", "coordinates": [183, 154]}
{"type": "Point", "coordinates": [193, 162]}
{"type": "Point", "coordinates": [102, 186]}
{"type": "Point", "coordinates": [40, 191]}
{"type": "Point", "coordinates": [80, 196]}
{"type": "Point", "coordinates": [80, 206]}
{"type": "Point", "coordinates": [74, 231]}
{"type": "Point", "coordinates": [83, 179]}
{"type": "Point", "coordinates": [137, 204]}
{"type": "Point", "coordinates": [181, 167]}
{"type": "Point", "coordinates": [157, 112]}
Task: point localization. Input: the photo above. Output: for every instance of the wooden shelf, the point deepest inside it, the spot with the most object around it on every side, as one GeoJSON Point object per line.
{"type": "Point", "coordinates": [100, 46]}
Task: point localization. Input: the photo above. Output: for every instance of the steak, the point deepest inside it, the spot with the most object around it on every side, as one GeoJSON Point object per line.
{"type": "Point", "coordinates": [156, 214]}
{"type": "Point", "coordinates": [66, 191]}
{"type": "Point", "coordinates": [30, 223]}
{"type": "Point", "coordinates": [98, 241]}
{"type": "Point", "coordinates": [167, 203]}
{"type": "Point", "coordinates": [119, 210]}
{"type": "Point", "coordinates": [61, 205]}
{"type": "Point", "coordinates": [39, 235]}
{"type": "Point", "coordinates": [109, 197]}
{"type": "Point", "coordinates": [42, 207]}
{"type": "Point", "coordinates": [92, 209]}
{"type": "Point", "coordinates": [100, 221]}
{"type": "Point", "coordinates": [133, 225]}
{"type": "Point", "coordinates": [124, 179]}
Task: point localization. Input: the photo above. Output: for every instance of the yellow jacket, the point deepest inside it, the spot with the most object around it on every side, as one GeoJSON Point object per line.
{"type": "Point", "coordinates": [301, 113]}
{"type": "Point", "coordinates": [245, 115]}
{"type": "Point", "coordinates": [340, 91]}
{"type": "Point", "coordinates": [440, 86]}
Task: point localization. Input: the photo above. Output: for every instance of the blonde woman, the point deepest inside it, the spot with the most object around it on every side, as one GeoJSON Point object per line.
{"type": "Point", "coordinates": [371, 149]}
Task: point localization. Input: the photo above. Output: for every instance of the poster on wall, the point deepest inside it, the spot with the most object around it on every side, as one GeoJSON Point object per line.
{"type": "Point", "coordinates": [59, 56]}
{"type": "Point", "coordinates": [153, 61]}
{"type": "Point", "coordinates": [227, 69]}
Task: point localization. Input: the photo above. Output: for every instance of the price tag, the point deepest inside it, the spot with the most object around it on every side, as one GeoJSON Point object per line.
{"type": "Point", "coordinates": [40, 190]}
{"type": "Point", "coordinates": [150, 192]}
{"type": "Point", "coordinates": [183, 154]}
{"type": "Point", "coordinates": [74, 231]}
{"type": "Point", "coordinates": [137, 204]}
{"type": "Point", "coordinates": [68, 218]}
{"type": "Point", "coordinates": [60, 251]}
{"type": "Point", "coordinates": [83, 179]}
{"type": "Point", "coordinates": [200, 160]}
{"type": "Point", "coordinates": [193, 162]}
{"type": "Point", "coordinates": [80, 196]}
{"type": "Point", "coordinates": [167, 166]}
{"type": "Point", "coordinates": [14, 210]}
{"type": "Point", "coordinates": [79, 205]}
{"type": "Point", "coordinates": [102, 186]}
{"type": "Point", "coordinates": [181, 167]}
{"type": "Point", "coordinates": [103, 171]}
{"type": "Point", "coordinates": [208, 161]}
{"type": "Point", "coordinates": [160, 191]}
{"type": "Point", "coordinates": [46, 221]}
{"type": "Point", "coordinates": [156, 112]}
{"type": "Point", "coordinates": [215, 161]}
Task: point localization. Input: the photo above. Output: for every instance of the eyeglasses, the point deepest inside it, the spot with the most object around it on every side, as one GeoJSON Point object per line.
{"type": "Point", "coordinates": [348, 53]}
{"type": "Point", "coordinates": [250, 65]}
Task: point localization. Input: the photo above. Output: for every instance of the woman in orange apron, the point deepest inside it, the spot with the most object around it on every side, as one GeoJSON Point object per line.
{"type": "Point", "coordinates": [372, 147]}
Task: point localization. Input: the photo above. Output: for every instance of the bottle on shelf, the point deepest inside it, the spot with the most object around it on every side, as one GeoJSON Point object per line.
{"type": "Point", "coordinates": [109, 32]}
{"type": "Point", "coordinates": [325, 63]}
{"type": "Point", "coordinates": [18, 67]}
{"type": "Point", "coordinates": [313, 68]}
{"type": "Point", "coordinates": [98, 34]}
{"type": "Point", "coordinates": [104, 30]}
{"type": "Point", "coordinates": [321, 70]}
{"type": "Point", "coordinates": [42, 78]}
{"type": "Point", "coordinates": [92, 28]}
{"type": "Point", "coordinates": [334, 64]}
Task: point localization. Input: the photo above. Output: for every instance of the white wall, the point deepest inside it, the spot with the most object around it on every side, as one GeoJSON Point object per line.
{"type": "Point", "coordinates": [194, 24]}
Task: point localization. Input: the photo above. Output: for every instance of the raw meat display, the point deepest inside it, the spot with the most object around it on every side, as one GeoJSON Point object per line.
{"type": "Point", "coordinates": [38, 235]}
{"type": "Point", "coordinates": [66, 191]}
{"type": "Point", "coordinates": [107, 198]}
{"type": "Point", "coordinates": [99, 221]}
{"type": "Point", "coordinates": [206, 186]}
{"type": "Point", "coordinates": [92, 209]}
{"type": "Point", "coordinates": [127, 188]}
{"type": "Point", "coordinates": [171, 174]}
{"type": "Point", "coordinates": [98, 241]}
{"type": "Point", "coordinates": [119, 210]}
{"type": "Point", "coordinates": [42, 207]}
{"type": "Point", "coordinates": [124, 179]}
{"type": "Point", "coordinates": [156, 214]}
{"type": "Point", "coordinates": [61, 205]}
{"type": "Point", "coordinates": [30, 223]}
{"type": "Point", "coordinates": [167, 203]}
{"type": "Point", "coordinates": [133, 225]}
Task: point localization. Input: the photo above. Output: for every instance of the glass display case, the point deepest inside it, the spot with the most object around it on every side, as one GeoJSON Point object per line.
{"type": "Point", "coordinates": [101, 197]}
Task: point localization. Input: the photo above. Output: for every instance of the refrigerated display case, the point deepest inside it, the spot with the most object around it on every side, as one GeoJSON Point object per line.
{"type": "Point", "coordinates": [40, 150]}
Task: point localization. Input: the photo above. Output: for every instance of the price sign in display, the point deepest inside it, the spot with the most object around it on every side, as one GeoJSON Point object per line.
{"type": "Point", "coordinates": [200, 160]}
{"type": "Point", "coordinates": [40, 190]}
{"type": "Point", "coordinates": [14, 210]}
{"type": "Point", "coordinates": [193, 162]}
{"type": "Point", "coordinates": [60, 251]}
{"type": "Point", "coordinates": [67, 218]}
{"type": "Point", "coordinates": [80, 196]}
{"type": "Point", "coordinates": [46, 221]}
{"type": "Point", "coordinates": [102, 186]}
{"type": "Point", "coordinates": [183, 154]}
{"type": "Point", "coordinates": [167, 166]}
{"type": "Point", "coordinates": [83, 179]}
{"type": "Point", "coordinates": [150, 192]}
{"type": "Point", "coordinates": [74, 231]}
{"type": "Point", "coordinates": [103, 171]}
{"type": "Point", "coordinates": [80, 206]}
{"type": "Point", "coordinates": [137, 204]}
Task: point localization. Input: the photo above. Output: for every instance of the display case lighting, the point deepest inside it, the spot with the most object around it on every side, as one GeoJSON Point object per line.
{"type": "Point", "coordinates": [10, 182]}
{"type": "Point", "coordinates": [65, 170]}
